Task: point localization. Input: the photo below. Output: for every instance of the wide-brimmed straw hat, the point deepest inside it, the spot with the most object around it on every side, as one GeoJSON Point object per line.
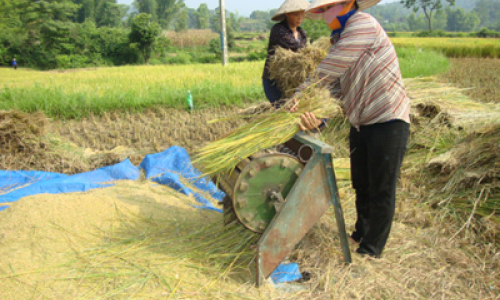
{"type": "Point", "coordinates": [316, 4]}
{"type": "Point", "coordinates": [290, 6]}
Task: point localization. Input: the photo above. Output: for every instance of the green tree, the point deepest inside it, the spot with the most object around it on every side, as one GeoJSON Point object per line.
{"type": "Point", "coordinates": [439, 20]}
{"type": "Point", "coordinates": [147, 7]}
{"type": "Point", "coordinates": [390, 13]}
{"type": "Point", "coordinates": [202, 16]}
{"type": "Point", "coordinates": [36, 31]}
{"type": "Point", "coordinates": [455, 18]}
{"type": "Point", "coordinates": [86, 12]}
{"type": "Point", "coordinates": [235, 22]}
{"type": "Point", "coordinates": [181, 18]}
{"type": "Point", "coordinates": [109, 14]}
{"type": "Point", "coordinates": [315, 29]}
{"type": "Point", "coordinates": [415, 22]}
{"type": "Point", "coordinates": [429, 7]}
{"type": "Point", "coordinates": [471, 22]}
{"type": "Point", "coordinates": [460, 20]}
{"type": "Point", "coordinates": [48, 25]}
{"type": "Point", "coordinates": [143, 33]}
{"type": "Point", "coordinates": [166, 11]}
{"type": "Point", "coordinates": [396, 27]}
{"type": "Point", "coordinates": [260, 15]}
{"type": "Point", "coordinates": [102, 12]}
{"type": "Point", "coordinates": [488, 12]}
{"type": "Point", "coordinates": [12, 34]}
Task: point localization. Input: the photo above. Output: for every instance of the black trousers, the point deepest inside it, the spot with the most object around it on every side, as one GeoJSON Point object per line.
{"type": "Point", "coordinates": [376, 155]}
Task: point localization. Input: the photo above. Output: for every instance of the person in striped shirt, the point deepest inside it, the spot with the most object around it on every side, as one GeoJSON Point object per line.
{"type": "Point", "coordinates": [362, 71]}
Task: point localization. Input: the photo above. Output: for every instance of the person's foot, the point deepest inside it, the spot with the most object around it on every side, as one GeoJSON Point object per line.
{"type": "Point", "coordinates": [355, 238]}
{"type": "Point", "coordinates": [365, 253]}
{"type": "Point", "coordinates": [354, 241]}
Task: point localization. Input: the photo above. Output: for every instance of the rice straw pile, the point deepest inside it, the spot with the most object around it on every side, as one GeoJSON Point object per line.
{"type": "Point", "coordinates": [469, 175]}
{"type": "Point", "coordinates": [290, 69]}
{"type": "Point", "coordinates": [21, 132]}
{"type": "Point", "coordinates": [263, 131]}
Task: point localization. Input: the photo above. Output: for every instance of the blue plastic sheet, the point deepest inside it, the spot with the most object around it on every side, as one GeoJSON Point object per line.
{"type": "Point", "coordinates": [286, 273]}
{"type": "Point", "coordinates": [53, 183]}
{"type": "Point", "coordinates": [10, 180]}
{"type": "Point", "coordinates": [169, 166]}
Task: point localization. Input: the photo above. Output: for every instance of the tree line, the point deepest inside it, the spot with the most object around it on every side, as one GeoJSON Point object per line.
{"type": "Point", "coordinates": [448, 15]}
{"type": "Point", "coordinates": [49, 34]}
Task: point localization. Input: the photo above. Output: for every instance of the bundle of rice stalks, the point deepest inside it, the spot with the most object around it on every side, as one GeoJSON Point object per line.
{"type": "Point", "coordinates": [469, 174]}
{"type": "Point", "coordinates": [21, 132]}
{"type": "Point", "coordinates": [429, 110]}
{"type": "Point", "coordinates": [263, 131]}
{"type": "Point", "coordinates": [260, 108]}
{"type": "Point", "coordinates": [322, 43]}
{"type": "Point", "coordinates": [290, 69]}
{"type": "Point", "coordinates": [476, 160]}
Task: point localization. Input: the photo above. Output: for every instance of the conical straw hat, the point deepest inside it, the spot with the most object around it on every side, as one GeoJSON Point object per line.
{"type": "Point", "coordinates": [363, 4]}
{"type": "Point", "coordinates": [290, 6]}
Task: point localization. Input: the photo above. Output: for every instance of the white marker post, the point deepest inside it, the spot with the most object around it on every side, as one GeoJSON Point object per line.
{"type": "Point", "coordinates": [223, 40]}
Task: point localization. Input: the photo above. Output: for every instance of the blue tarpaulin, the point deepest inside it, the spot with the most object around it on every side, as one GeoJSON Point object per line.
{"type": "Point", "coordinates": [33, 183]}
{"type": "Point", "coordinates": [171, 167]}
{"type": "Point", "coordinates": [286, 273]}
{"type": "Point", "coordinates": [10, 180]}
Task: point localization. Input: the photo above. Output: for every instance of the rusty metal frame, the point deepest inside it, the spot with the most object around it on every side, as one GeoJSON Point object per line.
{"type": "Point", "coordinates": [312, 194]}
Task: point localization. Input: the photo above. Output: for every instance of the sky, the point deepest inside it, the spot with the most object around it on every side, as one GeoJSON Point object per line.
{"type": "Point", "coordinates": [243, 7]}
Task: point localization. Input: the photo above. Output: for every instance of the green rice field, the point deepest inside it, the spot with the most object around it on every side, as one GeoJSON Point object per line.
{"type": "Point", "coordinates": [77, 93]}
{"type": "Point", "coordinates": [453, 47]}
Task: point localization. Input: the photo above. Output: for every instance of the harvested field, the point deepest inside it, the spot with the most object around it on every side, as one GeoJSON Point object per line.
{"type": "Point", "coordinates": [138, 240]}
{"type": "Point", "coordinates": [479, 75]}
{"type": "Point", "coordinates": [453, 47]}
{"type": "Point", "coordinates": [99, 141]}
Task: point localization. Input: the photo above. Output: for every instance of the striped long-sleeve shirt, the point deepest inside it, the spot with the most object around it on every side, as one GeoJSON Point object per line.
{"type": "Point", "coordinates": [362, 70]}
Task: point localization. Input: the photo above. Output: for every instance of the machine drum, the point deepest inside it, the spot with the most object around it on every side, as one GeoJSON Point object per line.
{"type": "Point", "coordinates": [261, 187]}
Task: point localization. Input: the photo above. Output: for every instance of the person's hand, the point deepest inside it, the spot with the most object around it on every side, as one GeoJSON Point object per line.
{"type": "Point", "coordinates": [308, 121]}
{"type": "Point", "coordinates": [294, 105]}
{"type": "Point", "coordinates": [291, 105]}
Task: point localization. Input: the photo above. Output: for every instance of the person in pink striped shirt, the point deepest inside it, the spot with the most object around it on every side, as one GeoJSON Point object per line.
{"type": "Point", "coordinates": [362, 71]}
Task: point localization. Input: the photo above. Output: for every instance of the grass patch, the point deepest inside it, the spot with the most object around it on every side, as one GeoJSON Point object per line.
{"type": "Point", "coordinates": [418, 62]}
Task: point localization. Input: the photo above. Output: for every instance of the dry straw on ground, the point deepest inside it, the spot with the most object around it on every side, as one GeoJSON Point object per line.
{"type": "Point", "coordinates": [469, 176]}
{"type": "Point", "coordinates": [75, 146]}
{"type": "Point", "coordinates": [475, 161]}
{"type": "Point", "coordinates": [138, 240]}
{"type": "Point", "coordinates": [21, 132]}
{"type": "Point", "coordinates": [142, 241]}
